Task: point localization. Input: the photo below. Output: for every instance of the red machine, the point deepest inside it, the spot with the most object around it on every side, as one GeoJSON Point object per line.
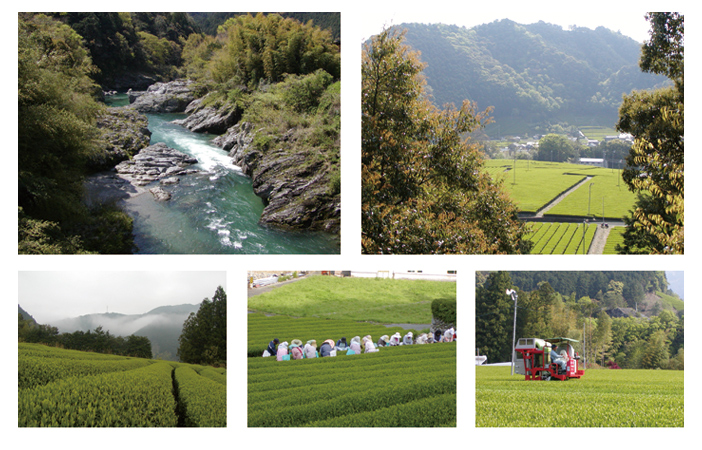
{"type": "Point", "coordinates": [537, 363]}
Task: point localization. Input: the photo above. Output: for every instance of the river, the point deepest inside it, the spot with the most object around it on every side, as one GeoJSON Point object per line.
{"type": "Point", "coordinates": [212, 212]}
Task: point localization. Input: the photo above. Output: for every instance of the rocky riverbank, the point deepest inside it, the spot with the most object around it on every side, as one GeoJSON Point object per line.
{"type": "Point", "coordinates": [294, 188]}
{"type": "Point", "coordinates": [123, 133]}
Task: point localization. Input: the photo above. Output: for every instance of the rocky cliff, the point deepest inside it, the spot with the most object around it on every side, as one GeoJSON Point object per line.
{"type": "Point", "coordinates": [295, 188]}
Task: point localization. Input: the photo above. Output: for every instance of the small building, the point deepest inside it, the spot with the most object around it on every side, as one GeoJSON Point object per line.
{"type": "Point", "coordinates": [597, 162]}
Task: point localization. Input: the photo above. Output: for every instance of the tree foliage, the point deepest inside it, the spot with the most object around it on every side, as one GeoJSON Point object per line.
{"type": "Point", "coordinates": [98, 340]}
{"type": "Point", "coordinates": [204, 336]}
{"type": "Point", "coordinates": [557, 148]}
{"type": "Point", "coordinates": [265, 47]}
{"type": "Point", "coordinates": [494, 317]}
{"type": "Point", "coordinates": [423, 188]}
{"type": "Point", "coordinates": [57, 135]}
{"type": "Point", "coordinates": [656, 163]}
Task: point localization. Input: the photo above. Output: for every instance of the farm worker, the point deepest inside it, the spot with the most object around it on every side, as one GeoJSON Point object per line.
{"type": "Point", "coordinates": [282, 350]}
{"type": "Point", "coordinates": [395, 339]}
{"type": "Point", "coordinates": [438, 336]}
{"type": "Point", "coordinates": [310, 349]}
{"type": "Point", "coordinates": [356, 344]}
{"type": "Point", "coordinates": [383, 341]}
{"type": "Point", "coordinates": [448, 335]}
{"type": "Point", "coordinates": [422, 339]}
{"type": "Point", "coordinates": [368, 345]}
{"type": "Point", "coordinates": [407, 340]}
{"type": "Point", "coordinates": [326, 348]}
{"type": "Point", "coordinates": [341, 344]}
{"type": "Point", "coordinates": [296, 349]}
{"type": "Point", "coordinates": [430, 338]}
{"type": "Point", "coordinates": [561, 359]}
{"type": "Point", "coordinates": [271, 347]}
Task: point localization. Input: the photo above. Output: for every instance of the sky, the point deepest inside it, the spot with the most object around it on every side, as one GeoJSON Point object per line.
{"type": "Point", "coordinates": [629, 23]}
{"type": "Point", "coordinates": [51, 296]}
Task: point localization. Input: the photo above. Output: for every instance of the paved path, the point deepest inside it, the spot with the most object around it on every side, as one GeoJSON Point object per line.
{"type": "Point", "coordinates": [558, 199]}
{"type": "Point", "coordinates": [598, 241]}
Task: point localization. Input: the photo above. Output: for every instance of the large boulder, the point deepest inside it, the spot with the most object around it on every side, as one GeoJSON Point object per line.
{"type": "Point", "coordinates": [123, 133]}
{"type": "Point", "coordinates": [154, 163]}
{"type": "Point", "coordinates": [210, 119]}
{"type": "Point", "coordinates": [171, 97]}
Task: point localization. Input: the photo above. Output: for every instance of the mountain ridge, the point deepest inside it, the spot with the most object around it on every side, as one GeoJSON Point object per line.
{"type": "Point", "coordinates": [538, 73]}
{"type": "Point", "coordinates": [162, 325]}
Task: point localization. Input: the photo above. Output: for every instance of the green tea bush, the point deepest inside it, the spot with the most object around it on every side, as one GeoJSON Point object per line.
{"type": "Point", "coordinates": [444, 309]}
{"type": "Point", "coordinates": [203, 401]}
{"type": "Point", "coordinates": [601, 398]}
{"type": "Point", "coordinates": [396, 386]}
{"type": "Point", "coordinates": [135, 398]}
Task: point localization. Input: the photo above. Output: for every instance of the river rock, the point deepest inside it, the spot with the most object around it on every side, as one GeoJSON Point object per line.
{"type": "Point", "coordinates": [171, 97]}
{"type": "Point", "coordinates": [123, 133]}
{"type": "Point", "coordinates": [210, 119]}
{"type": "Point", "coordinates": [236, 140]}
{"type": "Point", "coordinates": [160, 194]}
{"type": "Point", "coordinates": [155, 162]}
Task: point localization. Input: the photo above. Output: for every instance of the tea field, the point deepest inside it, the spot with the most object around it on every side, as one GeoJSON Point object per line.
{"type": "Point", "coordinates": [554, 238]}
{"type": "Point", "coordinates": [534, 184]}
{"type": "Point", "coordinates": [403, 386]}
{"type": "Point", "coordinates": [601, 398]}
{"type": "Point", "coordinates": [69, 388]}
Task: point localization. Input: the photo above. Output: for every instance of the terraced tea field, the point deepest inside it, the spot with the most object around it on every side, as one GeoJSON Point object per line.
{"type": "Point", "coordinates": [400, 386]}
{"type": "Point", "coordinates": [601, 398]}
{"type": "Point", "coordinates": [534, 184]}
{"type": "Point", "coordinates": [564, 195]}
{"type": "Point", "coordinates": [69, 388]}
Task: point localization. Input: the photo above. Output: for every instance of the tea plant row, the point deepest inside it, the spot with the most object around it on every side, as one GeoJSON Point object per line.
{"type": "Point", "coordinates": [56, 388]}
{"type": "Point", "coordinates": [397, 386]}
{"type": "Point", "coordinates": [262, 329]}
{"type": "Point", "coordinates": [553, 238]}
{"type": "Point", "coordinates": [602, 398]}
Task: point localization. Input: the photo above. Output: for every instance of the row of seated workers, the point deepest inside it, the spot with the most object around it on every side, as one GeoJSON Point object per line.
{"type": "Point", "coordinates": [295, 350]}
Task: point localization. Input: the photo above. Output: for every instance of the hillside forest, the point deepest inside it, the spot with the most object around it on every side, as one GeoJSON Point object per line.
{"type": "Point", "coordinates": [628, 320]}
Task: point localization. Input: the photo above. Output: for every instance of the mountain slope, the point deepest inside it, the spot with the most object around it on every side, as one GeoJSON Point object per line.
{"type": "Point", "coordinates": [537, 73]}
{"type": "Point", "coordinates": [161, 325]}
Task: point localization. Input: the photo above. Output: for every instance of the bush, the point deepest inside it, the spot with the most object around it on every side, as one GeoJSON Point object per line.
{"type": "Point", "coordinates": [444, 309]}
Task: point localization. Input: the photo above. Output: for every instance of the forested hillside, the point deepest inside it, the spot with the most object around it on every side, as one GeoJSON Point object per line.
{"type": "Point", "coordinates": [610, 327]}
{"type": "Point", "coordinates": [537, 72]}
{"type": "Point", "coordinates": [210, 21]}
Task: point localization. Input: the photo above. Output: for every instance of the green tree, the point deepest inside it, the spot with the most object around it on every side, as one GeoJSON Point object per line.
{"type": "Point", "coordinates": [603, 335]}
{"type": "Point", "coordinates": [656, 163]}
{"type": "Point", "coordinates": [494, 318]}
{"type": "Point", "coordinates": [423, 187]}
{"type": "Point", "coordinates": [265, 47]}
{"type": "Point", "coordinates": [556, 148]}
{"type": "Point", "coordinates": [204, 336]}
{"type": "Point", "coordinates": [57, 135]}
{"type": "Point", "coordinates": [656, 354]}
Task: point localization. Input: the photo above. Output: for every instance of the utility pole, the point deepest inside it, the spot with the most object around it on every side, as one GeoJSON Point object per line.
{"type": "Point", "coordinates": [513, 294]}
